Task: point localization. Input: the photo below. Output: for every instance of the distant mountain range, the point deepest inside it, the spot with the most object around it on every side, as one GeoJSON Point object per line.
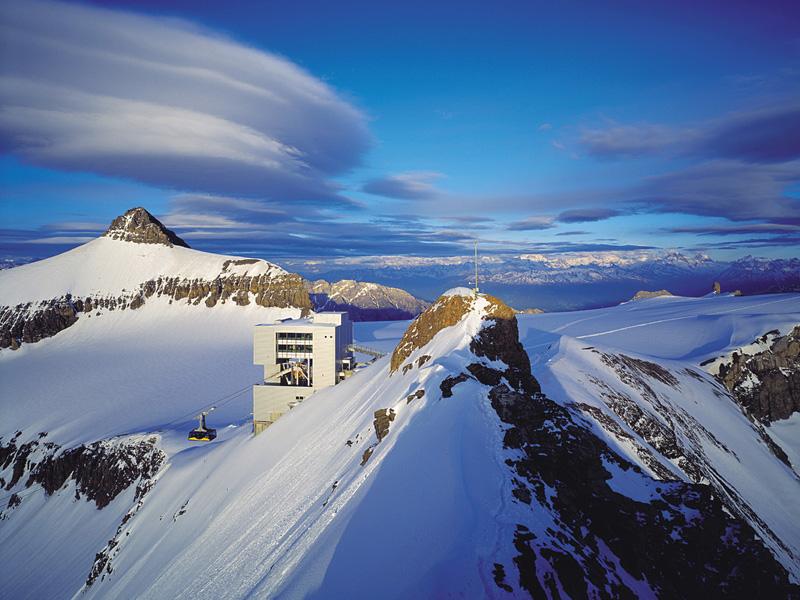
{"type": "Point", "coordinates": [566, 281]}
{"type": "Point", "coordinates": [364, 301]}
{"type": "Point", "coordinates": [139, 262]}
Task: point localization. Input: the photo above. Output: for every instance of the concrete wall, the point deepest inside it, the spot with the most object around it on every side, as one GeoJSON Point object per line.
{"type": "Point", "coordinates": [329, 348]}
{"type": "Point", "coordinates": [264, 349]}
{"type": "Point", "coordinates": [324, 357]}
{"type": "Point", "coordinates": [272, 401]}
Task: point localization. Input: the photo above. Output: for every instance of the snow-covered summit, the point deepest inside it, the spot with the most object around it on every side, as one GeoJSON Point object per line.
{"type": "Point", "coordinates": [459, 291]}
{"type": "Point", "coordinates": [136, 262]}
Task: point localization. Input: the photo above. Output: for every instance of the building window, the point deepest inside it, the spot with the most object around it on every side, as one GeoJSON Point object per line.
{"type": "Point", "coordinates": [293, 335]}
{"type": "Point", "coordinates": [294, 348]}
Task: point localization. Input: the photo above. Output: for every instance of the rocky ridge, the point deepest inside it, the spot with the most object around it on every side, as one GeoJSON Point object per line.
{"type": "Point", "coordinates": [447, 311]}
{"type": "Point", "coordinates": [644, 294]}
{"type": "Point", "coordinates": [598, 542]}
{"type": "Point", "coordinates": [764, 377]}
{"type": "Point", "coordinates": [241, 281]}
{"type": "Point", "coordinates": [99, 472]}
{"type": "Point", "coordinates": [364, 301]}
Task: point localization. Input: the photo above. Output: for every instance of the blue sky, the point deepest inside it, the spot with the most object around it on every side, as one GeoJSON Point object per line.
{"type": "Point", "coordinates": [366, 128]}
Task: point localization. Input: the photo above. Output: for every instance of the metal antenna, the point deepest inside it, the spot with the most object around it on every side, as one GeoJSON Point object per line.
{"type": "Point", "coordinates": [476, 267]}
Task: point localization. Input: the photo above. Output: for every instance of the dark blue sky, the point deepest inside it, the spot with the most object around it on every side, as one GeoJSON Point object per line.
{"type": "Point", "coordinates": [342, 128]}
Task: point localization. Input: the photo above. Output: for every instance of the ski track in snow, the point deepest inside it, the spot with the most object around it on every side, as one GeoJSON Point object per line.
{"type": "Point", "coordinates": [649, 323]}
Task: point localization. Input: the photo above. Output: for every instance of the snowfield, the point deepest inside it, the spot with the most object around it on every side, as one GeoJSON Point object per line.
{"type": "Point", "coordinates": [293, 512]}
{"type": "Point", "coordinates": [106, 266]}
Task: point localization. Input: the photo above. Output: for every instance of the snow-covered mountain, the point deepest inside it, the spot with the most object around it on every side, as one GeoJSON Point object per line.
{"type": "Point", "coordinates": [364, 301]}
{"type": "Point", "coordinates": [136, 262]}
{"type": "Point", "coordinates": [566, 281]}
{"type": "Point", "coordinates": [561, 454]}
{"type": "Point", "coordinates": [776, 275]}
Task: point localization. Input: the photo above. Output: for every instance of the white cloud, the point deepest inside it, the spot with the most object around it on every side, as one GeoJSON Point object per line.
{"type": "Point", "coordinates": [168, 104]}
{"type": "Point", "coordinates": [413, 185]}
{"type": "Point", "coordinates": [537, 223]}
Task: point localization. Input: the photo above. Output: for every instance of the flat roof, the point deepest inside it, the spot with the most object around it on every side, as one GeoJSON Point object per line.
{"type": "Point", "coordinates": [292, 323]}
{"type": "Point", "coordinates": [306, 321]}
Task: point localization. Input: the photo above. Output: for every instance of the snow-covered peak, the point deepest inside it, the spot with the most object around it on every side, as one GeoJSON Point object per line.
{"type": "Point", "coordinates": [566, 260]}
{"type": "Point", "coordinates": [139, 226]}
{"type": "Point", "coordinates": [107, 266]}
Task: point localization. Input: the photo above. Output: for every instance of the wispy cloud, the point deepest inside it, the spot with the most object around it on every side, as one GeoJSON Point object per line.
{"type": "Point", "coordinates": [633, 141]}
{"type": "Point", "coordinates": [766, 135]}
{"type": "Point", "coordinates": [587, 215]}
{"type": "Point", "coordinates": [537, 223]}
{"type": "Point", "coordinates": [412, 185]}
{"type": "Point", "coordinates": [731, 189]}
{"type": "Point", "coordinates": [168, 104]}
{"type": "Point", "coordinates": [735, 229]}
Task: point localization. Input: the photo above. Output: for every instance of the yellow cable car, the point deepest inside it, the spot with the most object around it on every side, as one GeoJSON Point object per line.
{"type": "Point", "coordinates": [202, 433]}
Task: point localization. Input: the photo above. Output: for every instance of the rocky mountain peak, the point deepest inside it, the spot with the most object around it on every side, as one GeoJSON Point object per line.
{"type": "Point", "coordinates": [448, 310]}
{"type": "Point", "coordinates": [138, 225]}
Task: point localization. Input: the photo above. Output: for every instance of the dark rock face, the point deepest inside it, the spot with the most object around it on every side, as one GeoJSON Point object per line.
{"type": "Point", "coordinates": [101, 470]}
{"type": "Point", "coordinates": [767, 384]}
{"type": "Point", "coordinates": [138, 225]}
{"type": "Point", "coordinates": [30, 323]}
{"type": "Point", "coordinates": [449, 383]}
{"type": "Point", "coordinates": [585, 538]}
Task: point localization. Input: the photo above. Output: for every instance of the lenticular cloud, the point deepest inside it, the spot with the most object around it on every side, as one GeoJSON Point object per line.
{"type": "Point", "coordinates": [168, 104]}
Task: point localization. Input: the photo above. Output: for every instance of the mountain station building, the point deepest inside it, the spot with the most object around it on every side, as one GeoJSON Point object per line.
{"type": "Point", "coordinates": [300, 356]}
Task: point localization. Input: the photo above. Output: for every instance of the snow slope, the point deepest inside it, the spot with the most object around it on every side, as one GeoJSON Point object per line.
{"type": "Point", "coordinates": [133, 371]}
{"type": "Point", "coordinates": [723, 447]}
{"type": "Point", "coordinates": [107, 266]}
{"type": "Point", "coordinates": [293, 513]}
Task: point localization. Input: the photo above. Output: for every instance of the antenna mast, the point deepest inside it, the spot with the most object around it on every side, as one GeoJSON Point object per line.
{"type": "Point", "coordinates": [476, 267]}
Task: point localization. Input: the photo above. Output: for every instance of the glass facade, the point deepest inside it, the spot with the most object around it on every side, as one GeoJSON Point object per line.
{"type": "Point", "coordinates": [292, 335]}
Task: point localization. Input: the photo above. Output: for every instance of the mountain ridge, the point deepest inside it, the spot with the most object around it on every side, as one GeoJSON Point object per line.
{"type": "Point", "coordinates": [136, 262]}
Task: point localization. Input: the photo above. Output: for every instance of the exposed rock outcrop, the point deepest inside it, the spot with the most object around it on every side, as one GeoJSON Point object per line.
{"type": "Point", "coordinates": [644, 294]}
{"type": "Point", "coordinates": [32, 322]}
{"type": "Point", "coordinates": [586, 537]}
{"type": "Point", "coordinates": [139, 226]}
{"type": "Point", "coordinates": [100, 471]}
{"type": "Point", "coordinates": [529, 311]}
{"type": "Point", "coordinates": [448, 310]}
{"type": "Point", "coordinates": [765, 378]}
{"type": "Point", "coordinates": [364, 301]}
{"type": "Point", "coordinates": [242, 281]}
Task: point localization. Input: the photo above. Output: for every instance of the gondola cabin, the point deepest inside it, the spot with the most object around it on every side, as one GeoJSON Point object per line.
{"type": "Point", "coordinates": [202, 433]}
